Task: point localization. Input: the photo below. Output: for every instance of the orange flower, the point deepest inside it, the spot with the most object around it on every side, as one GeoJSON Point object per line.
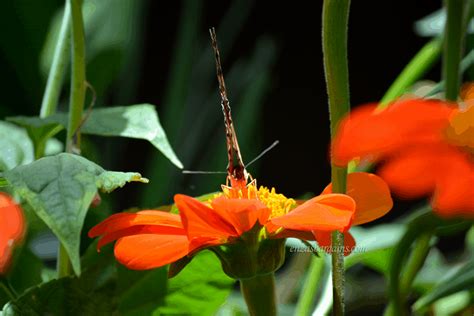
{"type": "Point", "coordinates": [150, 239]}
{"type": "Point", "coordinates": [11, 229]}
{"type": "Point", "coordinates": [427, 147]}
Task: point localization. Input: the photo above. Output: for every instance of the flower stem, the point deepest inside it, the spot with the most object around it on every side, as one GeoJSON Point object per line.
{"type": "Point", "coordinates": [76, 104]}
{"type": "Point", "coordinates": [259, 294]}
{"type": "Point", "coordinates": [78, 76]}
{"type": "Point", "coordinates": [453, 47]}
{"type": "Point", "coordinates": [412, 72]}
{"type": "Point", "coordinates": [334, 34]}
{"type": "Point", "coordinates": [310, 287]}
{"type": "Point", "coordinates": [58, 66]}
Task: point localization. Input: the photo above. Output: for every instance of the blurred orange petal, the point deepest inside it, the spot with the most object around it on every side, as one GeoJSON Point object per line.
{"type": "Point", "coordinates": [454, 193]}
{"type": "Point", "coordinates": [368, 132]}
{"type": "Point", "coordinates": [371, 195]}
{"type": "Point", "coordinates": [325, 212]}
{"type": "Point", "coordinates": [12, 226]}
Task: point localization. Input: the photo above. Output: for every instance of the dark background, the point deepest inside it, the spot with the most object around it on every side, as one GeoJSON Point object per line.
{"type": "Point", "coordinates": [293, 108]}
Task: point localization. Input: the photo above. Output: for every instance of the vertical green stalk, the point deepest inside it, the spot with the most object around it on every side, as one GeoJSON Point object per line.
{"type": "Point", "coordinates": [453, 47]}
{"type": "Point", "coordinates": [78, 75]}
{"type": "Point", "coordinates": [334, 35]}
{"type": "Point", "coordinates": [259, 294]}
{"type": "Point", "coordinates": [58, 66]}
{"type": "Point", "coordinates": [310, 287]}
{"type": "Point", "coordinates": [76, 104]}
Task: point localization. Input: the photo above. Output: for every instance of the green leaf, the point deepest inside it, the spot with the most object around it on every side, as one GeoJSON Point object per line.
{"type": "Point", "coordinates": [110, 180]}
{"type": "Point", "coordinates": [135, 121]}
{"type": "Point", "coordinates": [60, 190]}
{"type": "Point", "coordinates": [200, 289]}
{"type": "Point", "coordinates": [17, 147]}
{"type": "Point", "coordinates": [461, 280]}
{"type": "Point", "coordinates": [93, 293]}
{"type": "Point", "coordinates": [374, 246]}
{"type": "Point", "coordinates": [433, 24]}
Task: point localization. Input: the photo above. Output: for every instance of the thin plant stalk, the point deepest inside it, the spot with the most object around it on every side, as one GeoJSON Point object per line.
{"type": "Point", "coordinates": [78, 76]}
{"type": "Point", "coordinates": [58, 66]}
{"type": "Point", "coordinates": [453, 47]}
{"type": "Point", "coordinates": [334, 35]}
{"type": "Point", "coordinates": [76, 105]}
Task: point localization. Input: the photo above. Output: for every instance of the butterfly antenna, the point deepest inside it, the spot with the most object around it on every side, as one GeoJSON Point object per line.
{"type": "Point", "coordinates": [235, 168]}
{"type": "Point", "coordinates": [263, 153]}
{"type": "Point", "coordinates": [202, 172]}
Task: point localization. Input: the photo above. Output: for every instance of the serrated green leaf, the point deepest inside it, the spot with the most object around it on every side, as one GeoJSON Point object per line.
{"type": "Point", "coordinates": [461, 280]}
{"type": "Point", "coordinates": [60, 190]}
{"type": "Point", "coordinates": [111, 180]}
{"type": "Point", "coordinates": [135, 121]}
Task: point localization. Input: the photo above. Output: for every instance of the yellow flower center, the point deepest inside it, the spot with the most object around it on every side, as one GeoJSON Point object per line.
{"type": "Point", "coordinates": [461, 129]}
{"type": "Point", "coordinates": [277, 203]}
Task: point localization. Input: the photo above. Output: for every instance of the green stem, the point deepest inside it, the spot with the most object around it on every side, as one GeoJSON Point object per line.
{"type": "Point", "coordinates": [64, 267]}
{"type": "Point", "coordinates": [453, 47]}
{"type": "Point", "coordinates": [415, 263]}
{"type": "Point", "coordinates": [58, 66]}
{"type": "Point", "coordinates": [310, 287]}
{"type": "Point", "coordinates": [76, 104]}
{"type": "Point", "coordinates": [412, 267]}
{"type": "Point", "coordinates": [416, 68]}
{"type": "Point", "coordinates": [7, 288]}
{"type": "Point", "coordinates": [334, 34]}
{"type": "Point", "coordinates": [259, 294]}
{"type": "Point", "coordinates": [78, 76]}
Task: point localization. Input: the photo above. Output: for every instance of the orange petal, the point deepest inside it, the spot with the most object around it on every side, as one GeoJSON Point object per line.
{"type": "Point", "coordinates": [241, 213]}
{"type": "Point", "coordinates": [454, 194]}
{"type": "Point", "coordinates": [143, 252]}
{"type": "Point", "coordinates": [370, 133]}
{"type": "Point", "coordinates": [121, 221]}
{"type": "Point", "coordinates": [199, 220]}
{"type": "Point", "coordinates": [137, 230]}
{"type": "Point", "coordinates": [288, 233]}
{"type": "Point", "coordinates": [371, 194]}
{"type": "Point", "coordinates": [325, 212]}
{"type": "Point", "coordinates": [414, 172]}
{"type": "Point", "coordinates": [12, 227]}
{"type": "Point", "coordinates": [324, 241]}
